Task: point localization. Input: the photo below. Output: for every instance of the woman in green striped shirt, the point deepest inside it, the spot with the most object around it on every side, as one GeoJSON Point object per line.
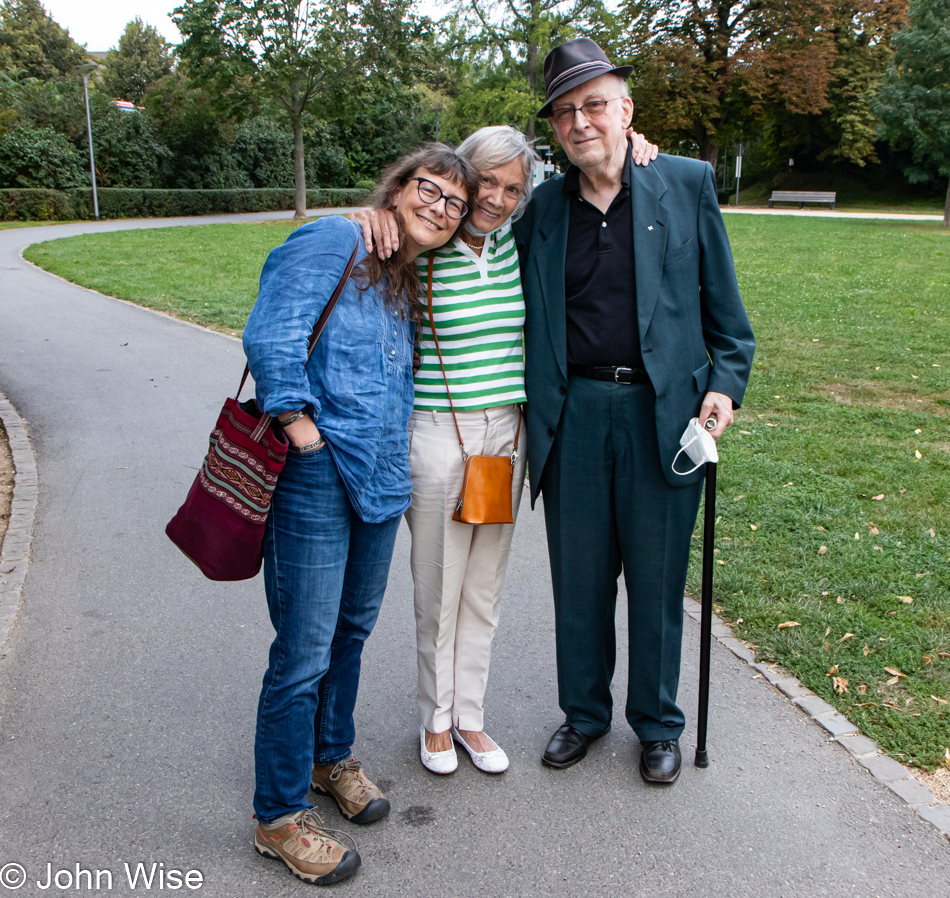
{"type": "Point", "coordinates": [458, 569]}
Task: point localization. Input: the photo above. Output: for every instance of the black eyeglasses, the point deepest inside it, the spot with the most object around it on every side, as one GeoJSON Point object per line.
{"type": "Point", "coordinates": [593, 109]}
{"type": "Point", "coordinates": [430, 192]}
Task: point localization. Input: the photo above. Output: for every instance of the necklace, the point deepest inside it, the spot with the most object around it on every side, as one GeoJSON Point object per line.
{"type": "Point", "coordinates": [475, 247]}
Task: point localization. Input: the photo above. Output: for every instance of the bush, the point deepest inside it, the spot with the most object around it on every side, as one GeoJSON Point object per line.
{"type": "Point", "coordinates": [120, 202]}
{"type": "Point", "coordinates": [39, 157]}
{"type": "Point", "coordinates": [35, 204]}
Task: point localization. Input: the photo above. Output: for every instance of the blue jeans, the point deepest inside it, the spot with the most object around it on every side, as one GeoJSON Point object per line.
{"type": "Point", "coordinates": [325, 572]}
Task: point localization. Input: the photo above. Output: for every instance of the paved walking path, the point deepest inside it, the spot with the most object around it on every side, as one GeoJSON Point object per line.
{"type": "Point", "coordinates": [128, 684]}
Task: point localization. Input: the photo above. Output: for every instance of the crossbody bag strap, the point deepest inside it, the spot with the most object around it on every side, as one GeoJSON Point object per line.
{"type": "Point", "coordinates": [435, 337]}
{"type": "Point", "coordinates": [265, 420]}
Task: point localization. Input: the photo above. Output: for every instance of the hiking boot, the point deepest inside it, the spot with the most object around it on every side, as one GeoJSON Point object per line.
{"type": "Point", "coordinates": [359, 799]}
{"type": "Point", "coordinates": [307, 847]}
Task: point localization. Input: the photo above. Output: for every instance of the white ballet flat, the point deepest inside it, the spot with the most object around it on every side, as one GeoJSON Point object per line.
{"type": "Point", "coordinates": [441, 762]}
{"type": "Point", "coordinates": [495, 761]}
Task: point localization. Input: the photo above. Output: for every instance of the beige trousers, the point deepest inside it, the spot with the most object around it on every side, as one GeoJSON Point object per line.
{"type": "Point", "coordinates": [457, 569]}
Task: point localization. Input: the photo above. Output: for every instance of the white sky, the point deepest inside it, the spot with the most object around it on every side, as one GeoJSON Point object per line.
{"type": "Point", "coordinates": [99, 23]}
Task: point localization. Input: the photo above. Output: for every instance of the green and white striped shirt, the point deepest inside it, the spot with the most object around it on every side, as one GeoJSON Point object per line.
{"type": "Point", "coordinates": [479, 313]}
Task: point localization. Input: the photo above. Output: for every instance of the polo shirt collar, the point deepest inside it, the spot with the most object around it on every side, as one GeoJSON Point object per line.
{"type": "Point", "coordinates": [571, 182]}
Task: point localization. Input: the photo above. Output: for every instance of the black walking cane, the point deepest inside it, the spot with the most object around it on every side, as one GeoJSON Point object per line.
{"type": "Point", "coordinates": [705, 623]}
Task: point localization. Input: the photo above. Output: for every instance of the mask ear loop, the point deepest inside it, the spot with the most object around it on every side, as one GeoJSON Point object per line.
{"type": "Point", "coordinates": [678, 454]}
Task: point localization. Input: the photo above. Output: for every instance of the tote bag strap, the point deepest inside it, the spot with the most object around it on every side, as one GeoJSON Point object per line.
{"type": "Point", "coordinates": [264, 423]}
{"type": "Point", "coordinates": [435, 338]}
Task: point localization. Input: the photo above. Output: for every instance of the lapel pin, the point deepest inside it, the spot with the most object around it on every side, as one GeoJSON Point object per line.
{"type": "Point", "coordinates": [649, 227]}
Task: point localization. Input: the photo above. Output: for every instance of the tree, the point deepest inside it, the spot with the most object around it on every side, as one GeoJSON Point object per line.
{"type": "Point", "coordinates": [30, 40]}
{"type": "Point", "coordinates": [300, 53]}
{"type": "Point", "coordinates": [141, 59]}
{"type": "Point", "coordinates": [519, 34]}
{"type": "Point", "coordinates": [914, 102]}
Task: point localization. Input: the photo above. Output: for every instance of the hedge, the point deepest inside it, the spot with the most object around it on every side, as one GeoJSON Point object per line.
{"type": "Point", "coordinates": [37, 204]}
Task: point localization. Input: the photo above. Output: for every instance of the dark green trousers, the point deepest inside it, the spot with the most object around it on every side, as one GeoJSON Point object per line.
{"type": "Point", "coordinates": [608, 508]}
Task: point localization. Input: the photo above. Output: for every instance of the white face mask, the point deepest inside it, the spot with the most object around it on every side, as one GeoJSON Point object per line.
{"type": "Point", "coordinates": [474, 231]}
{"type": "Point", "coordinates": [698, 445]}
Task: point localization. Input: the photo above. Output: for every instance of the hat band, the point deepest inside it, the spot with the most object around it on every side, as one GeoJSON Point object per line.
{"type": "Point", "coordinates": [581, 68]}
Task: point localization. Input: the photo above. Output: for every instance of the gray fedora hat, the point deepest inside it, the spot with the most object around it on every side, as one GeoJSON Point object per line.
{"type": "Point", "coordinates": [573, 63]}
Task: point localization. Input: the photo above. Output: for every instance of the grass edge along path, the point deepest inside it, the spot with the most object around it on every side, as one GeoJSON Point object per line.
{"type": "Point", "coordinates": [833, 542]}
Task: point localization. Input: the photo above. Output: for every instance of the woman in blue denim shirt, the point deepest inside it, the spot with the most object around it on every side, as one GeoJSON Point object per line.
{"type": "Point", "coordinates": [335, 512]}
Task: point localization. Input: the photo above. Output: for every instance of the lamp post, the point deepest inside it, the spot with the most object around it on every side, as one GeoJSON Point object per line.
{"type": "Point", "coordinates": [85, 70]}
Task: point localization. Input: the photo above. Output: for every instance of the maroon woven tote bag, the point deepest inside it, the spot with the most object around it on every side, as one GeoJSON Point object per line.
{"type": "Point", "coordinates": [220, 526]}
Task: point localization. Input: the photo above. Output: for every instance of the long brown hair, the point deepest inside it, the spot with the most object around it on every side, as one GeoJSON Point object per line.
{"type": "Point", "coordinates": [398, 276]}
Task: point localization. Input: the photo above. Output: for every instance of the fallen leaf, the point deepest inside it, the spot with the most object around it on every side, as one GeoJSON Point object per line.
{"type": "Point", "coordinates": [720, 561]}
{"type": "Point", "coordinates": [866, 704]}
{"type": "Point", "coordinates": [903, 490]}
{"type": "Point", "coordinates": [874, 531]}
{"type": "Point", "coordinates": [933, 532]}
{"type": "Point", "coordinates": [927, 660]}
{"type": "Point", "coordinates": [863, 689]}
{"type": "Point", "coordinates": [877, 498]}
{"type": "Point", "coordinates": [941, 701]}
{"type": "Point", "coordinates": [737, 498]}
{"type": "Point", "coordinates": [867, 651]}
{"type": "Point", "coordinates": [895, 671]}
{"type": "Point", "coordinates": [840, 600]}
{"type": "Point", "coordinates": [828, 632]}
{"type": "Point", "coordinates": [857, 536]}
{"type": "Point", "coordinates": [846, 636]}
{"type": "Point", "coordinates": [789, 623]}
{"type": "Point", "coordinates": [840, 684]}
{"type": "Point", "coordinates": [832, 670]}
{"type": "Point", "coordinates": [943, 654]}
{"type": "Point", "coordinates": [946, 758]}
{"type": "Point", "coordinates": [819, 527]}
{"type": "Point", "coordinates": [918, 430]}
{"type": "Point", "coordinates": [907, 600]}
{"type": "Point", "coordinates": [746, 432]}
{"type": "Point", "coordinates": [823, 550]}
{"type": "Point", "coordinates": [824, 592]}
{"type": "Point", "coordinates": [753, 526]}
{"type": "Point", "coordinates": [739, 620]}
{"type": "Point", "coordinates": [917, 453]}
{"type": "Point", "coordinates": [892, 681]}
{"type": "Point", "coordinates": [879, 548]}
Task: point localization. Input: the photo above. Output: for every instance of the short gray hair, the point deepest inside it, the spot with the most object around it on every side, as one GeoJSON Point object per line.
{"type": "Point", "coordinates": [497, 145]}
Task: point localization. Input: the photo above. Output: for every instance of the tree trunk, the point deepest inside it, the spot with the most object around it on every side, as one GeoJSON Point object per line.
{"type": "Point", "coordinates": [946, 208]}
{"type": "Point", "coordinates": [708, 151]}
{"type": "Point", "coordinates": [531, 63]}
{"type": "Point", "coordinates": [300, 176]}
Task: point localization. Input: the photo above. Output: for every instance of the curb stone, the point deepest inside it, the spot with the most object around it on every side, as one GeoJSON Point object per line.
{"type": "Point", "coordinates": [15, 558]}
{"type": "Point", "coordinates": [888, 772]}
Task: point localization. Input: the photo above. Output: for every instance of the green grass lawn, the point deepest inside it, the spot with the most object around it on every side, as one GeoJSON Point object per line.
{"type": "Point", "coordinates": [834, 483]}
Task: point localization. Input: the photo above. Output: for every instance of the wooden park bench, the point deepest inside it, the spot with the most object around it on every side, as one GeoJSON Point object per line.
{"type": "Point", "coordinates": [801, 197]}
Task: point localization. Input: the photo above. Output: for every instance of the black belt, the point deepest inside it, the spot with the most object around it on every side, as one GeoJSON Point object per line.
{"type": "Point", "coordinates": [613, 373]}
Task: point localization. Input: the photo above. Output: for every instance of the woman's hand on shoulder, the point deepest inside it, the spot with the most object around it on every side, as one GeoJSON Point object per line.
{"type": "Point", "coordinates": [641, 150]}
{"type": "Point", "coordinates": [379, 230]}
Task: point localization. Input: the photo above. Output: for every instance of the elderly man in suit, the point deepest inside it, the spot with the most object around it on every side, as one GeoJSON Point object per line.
{"type": "Point", "coordinates": [634, 326]}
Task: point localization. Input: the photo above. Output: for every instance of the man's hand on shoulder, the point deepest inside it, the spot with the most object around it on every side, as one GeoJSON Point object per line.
{"type": "Point", "coordinates": [718, 406]}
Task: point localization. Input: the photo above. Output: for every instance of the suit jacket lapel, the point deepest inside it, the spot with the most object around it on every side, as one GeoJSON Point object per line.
{"type": "Point", "coordinates": [549, 260]}
{"type": "Point", "coordinates": [650, 226]}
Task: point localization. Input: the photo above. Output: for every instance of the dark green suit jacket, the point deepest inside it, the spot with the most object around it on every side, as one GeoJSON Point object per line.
{"type": "Point", "coordinates": [694, 332]}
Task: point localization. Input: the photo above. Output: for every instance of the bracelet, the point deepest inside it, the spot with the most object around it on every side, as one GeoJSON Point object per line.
{"type": "Point", "coordinates": [308, 447]}
{"type": "Point", "coordinates": [296, 416]}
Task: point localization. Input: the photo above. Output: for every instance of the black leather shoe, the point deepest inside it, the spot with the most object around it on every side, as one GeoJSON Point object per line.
{"type": "Point", "coordinates": [660, 762]}
{"type": "Point", "coordinates": [567, 747]}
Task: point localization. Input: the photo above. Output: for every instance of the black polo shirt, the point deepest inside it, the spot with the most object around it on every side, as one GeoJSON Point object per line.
{"type": "Point", "coordinates": [599, 281]}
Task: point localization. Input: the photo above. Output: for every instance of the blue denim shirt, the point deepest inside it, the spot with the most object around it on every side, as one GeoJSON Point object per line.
{"type": "Point", "coordinates": [358, 382]}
